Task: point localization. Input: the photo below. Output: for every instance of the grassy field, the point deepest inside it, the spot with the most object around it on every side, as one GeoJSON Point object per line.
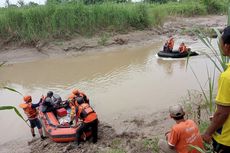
{"type": "Point", "coordinates": [31, 24]}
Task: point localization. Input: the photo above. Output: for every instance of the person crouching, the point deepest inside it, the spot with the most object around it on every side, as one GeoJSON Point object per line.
{"type": "Point", "coordinates": [183, 134]}
{"type": "Point", "coordinates": [89, 119]}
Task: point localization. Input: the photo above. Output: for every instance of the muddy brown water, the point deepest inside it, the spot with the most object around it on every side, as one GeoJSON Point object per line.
{"type": "Point", "coordinates": [121, 83]}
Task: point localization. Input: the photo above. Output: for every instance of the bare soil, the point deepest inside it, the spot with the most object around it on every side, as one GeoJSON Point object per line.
{"type": "Point", "coordinates": [139, 133]}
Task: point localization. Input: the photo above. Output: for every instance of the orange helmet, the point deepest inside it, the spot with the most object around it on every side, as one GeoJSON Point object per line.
{"type": "Point", "coordinates": [75, 91]}
{"type": "Point", "coordinates": [27, 98]}
{"type": "Point", "coordinates": [71, 97]}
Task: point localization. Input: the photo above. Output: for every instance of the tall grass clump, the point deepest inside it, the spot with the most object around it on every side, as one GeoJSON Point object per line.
{"type": "Point", "coordinates": [214, 6]}
{"type": "Point", "coordinates": [158, 15]}
{"type": "Point", "coordinates": [59, 21]}
{"type": "Point", "coordinates": [183, 9]}
{"type": "Point", "coordinates": [219, 61]}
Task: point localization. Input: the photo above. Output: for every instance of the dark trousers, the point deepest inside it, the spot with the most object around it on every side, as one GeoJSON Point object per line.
{"type": "Point", "coordinates": [219, 148]}
{"type": "Point", "coordinates": [85, 126]}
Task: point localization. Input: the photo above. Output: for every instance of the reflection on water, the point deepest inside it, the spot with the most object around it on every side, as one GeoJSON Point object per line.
{"type": "Point", "coordinates": [120, 83]}
{"type": "Point", "coordinates": [169, 65]}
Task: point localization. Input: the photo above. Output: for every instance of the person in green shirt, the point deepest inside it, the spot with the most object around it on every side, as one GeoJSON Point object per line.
{"type": "Point", "coordinates": [219, 129]}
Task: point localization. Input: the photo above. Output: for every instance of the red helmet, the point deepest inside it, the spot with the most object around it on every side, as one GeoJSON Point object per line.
{"type": "Point", "coordinates": [27, 98]}
{"type": "Point", "coordinates": [75, 91]}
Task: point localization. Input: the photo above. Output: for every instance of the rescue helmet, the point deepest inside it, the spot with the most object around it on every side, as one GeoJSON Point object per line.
{"type": "Point", "coordinates": [71, 97]}
{"type": "Point", "coordinates": [27, 99]}
{"type": "Point", "coordinates": [80, 100]}
{"type": "Point", "coordinates": [75, 91]}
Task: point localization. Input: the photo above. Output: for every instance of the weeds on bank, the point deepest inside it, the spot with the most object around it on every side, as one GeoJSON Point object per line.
{"type": "Point", "coordinates": [103, 39]}
{"type": "Point", "coordinates": [32, 24]}
{"type": "Point", "coordinates": [220, 63]}
{"type": "Point", "coordinates": [116, 146]}
{"type": "Point", "coordinates": [118, 150]}
{"type": "Point", "coordinates": [151, 144]}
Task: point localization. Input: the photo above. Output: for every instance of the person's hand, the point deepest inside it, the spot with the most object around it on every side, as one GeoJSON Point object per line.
{"type": "Point", "coordinates": [206, 137]}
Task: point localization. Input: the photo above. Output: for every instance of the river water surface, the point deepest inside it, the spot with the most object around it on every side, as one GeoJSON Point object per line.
{"type": "Point", "coordinates": [121, 83]}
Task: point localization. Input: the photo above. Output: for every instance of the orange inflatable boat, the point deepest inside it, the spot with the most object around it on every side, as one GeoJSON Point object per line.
{"type": "Point", "coordinates": [59, 132]}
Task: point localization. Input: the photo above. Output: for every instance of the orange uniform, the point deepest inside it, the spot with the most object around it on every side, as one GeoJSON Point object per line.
{"type": "Point", "coordinates": [184, 134]}
{"type": "Point", "coordinates": [171, 43]}
{"type": "Point", "coordinates": [89, 117]}
{"type": "Point", "coordinates": [182, 48]}
{"type": "Point", "coordinates": [86, 113]}
{"type": "Point", "coordinates": [30, 112]}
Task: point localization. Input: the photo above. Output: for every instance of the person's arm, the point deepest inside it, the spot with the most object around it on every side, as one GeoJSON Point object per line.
{"type": "Point", "coordinates": [219, 118]}
{"type": "Point", "coordinates": [72, 113]}
{"type": "Point", "coordinates": [172, 138]}
{"type": "Point", "coordinates": [36, 105]}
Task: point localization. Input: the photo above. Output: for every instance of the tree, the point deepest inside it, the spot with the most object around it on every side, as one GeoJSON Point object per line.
{"type": "Point", "coordinates": [32, 4]}
{"type": "Point", "coordinates": [21, 3]}
{"type": "Point", "coordinates": [7, 3]}
{"type": "Point", "coordinates": [48, 2]}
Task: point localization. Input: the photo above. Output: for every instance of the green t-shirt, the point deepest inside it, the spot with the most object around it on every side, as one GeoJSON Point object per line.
{"type": "Point", "coordinates": [222, 135]}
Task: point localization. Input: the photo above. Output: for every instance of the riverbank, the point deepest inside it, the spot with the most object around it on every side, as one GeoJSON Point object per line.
{"type": "Point", "coordinates": [139, 133]}
{"type": "Point", "coordinates": [110, 41]}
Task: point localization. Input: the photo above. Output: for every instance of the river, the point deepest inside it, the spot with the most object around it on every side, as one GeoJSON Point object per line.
{"type": "Point", "coordinates": [121, 83]}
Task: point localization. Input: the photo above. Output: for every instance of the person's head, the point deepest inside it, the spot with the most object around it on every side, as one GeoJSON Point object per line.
{"type": "Point", "coordinates": [225, 41]}
{"type": "Point", "coordinates": [75, 91]}
{"type": "Point", "coordinates": [176, 112]}
{"type": "Point", "coordinates": [27, 99]}
{"type": "Point", "coordinates": [50, 94]}
{"type": "Point", "coordinates": [80, 100]}
{"type": "Point", "coordinates": [182, 43]}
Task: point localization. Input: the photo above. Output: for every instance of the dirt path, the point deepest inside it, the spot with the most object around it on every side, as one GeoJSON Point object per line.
{"type": "Point", "coordinates": [138, 134]}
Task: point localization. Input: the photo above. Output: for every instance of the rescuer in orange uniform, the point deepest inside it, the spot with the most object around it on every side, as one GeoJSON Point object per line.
{"type": "Point", "coordinates": [89, 119]}
{"type": "Point", "coordinates": [32, 114]}
{"type": "Point", "coordinates": [182, 48]}
{"type": "Point", "coordinates": [170, 44]}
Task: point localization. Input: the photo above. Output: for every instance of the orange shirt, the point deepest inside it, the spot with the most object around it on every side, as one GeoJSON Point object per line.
{"type": "Point", "coordinates": [91, 115]}
{"type": "Point", "coordinates": [182, 48]}
{"type": "Point", "coordinates": [183, 134]}
{"type": "Point", "coordinates": [171, 43]}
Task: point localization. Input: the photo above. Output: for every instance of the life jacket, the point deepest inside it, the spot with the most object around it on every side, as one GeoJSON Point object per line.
{"type": "Point", "coordinates": [87, 113]}
{"type": "Point", "coordinates": [182, 48]}
{"type": "Point", "coordinates": [30, 112]}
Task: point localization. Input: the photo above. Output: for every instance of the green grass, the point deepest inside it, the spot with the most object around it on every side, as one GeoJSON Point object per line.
{"type": "Point", "coordinates": [151, 144]}
{"type": "Point", "coordinates": [183, 9]}
{"type": "Point", "coordinates": [64, 21]}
